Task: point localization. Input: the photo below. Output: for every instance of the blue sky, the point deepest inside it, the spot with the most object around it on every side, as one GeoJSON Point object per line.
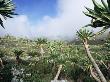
{"type": "Point", "coordinates": [53, 19]}
{"type": "Point", "coordinates": [36, 9]}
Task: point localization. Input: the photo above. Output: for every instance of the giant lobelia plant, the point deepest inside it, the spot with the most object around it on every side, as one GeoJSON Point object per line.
{"type": "Point", "coordinates": [86, 35]}
{"type": "Point", "coordinates": [6, 10]}
{"type": "Point", "coordinates": [100, 15]}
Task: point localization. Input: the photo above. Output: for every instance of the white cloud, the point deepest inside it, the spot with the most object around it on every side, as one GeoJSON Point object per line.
{"type": "Point", "coordinates": [17, 26]}
{"type": "Point", "coordinates": [64, 25]}
{"type": "Point", "coordinates": [67, 21]}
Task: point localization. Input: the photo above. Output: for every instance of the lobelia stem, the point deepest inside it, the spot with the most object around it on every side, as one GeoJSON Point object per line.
{"type": "Point", "coordinates": [101, 76]}
{"type": "Point", "coordinates": [58, 73]}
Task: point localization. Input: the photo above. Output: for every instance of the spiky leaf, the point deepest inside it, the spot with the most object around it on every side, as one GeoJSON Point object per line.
{"type": "Point", "coordinates": [6, 10]}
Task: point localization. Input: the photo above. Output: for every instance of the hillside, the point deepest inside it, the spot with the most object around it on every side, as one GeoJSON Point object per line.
{"type": "Point", "coordinates": [43, 57]}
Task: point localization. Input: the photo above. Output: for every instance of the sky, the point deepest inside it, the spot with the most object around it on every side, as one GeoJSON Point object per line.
{"type": "Point", "coordinates": [52, 19]}
{"type": "Point", "coordinates": [36, 9]}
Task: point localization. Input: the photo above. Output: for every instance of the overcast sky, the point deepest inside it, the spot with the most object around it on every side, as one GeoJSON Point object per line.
{"type": "Point", "coordinates": [54, 19]}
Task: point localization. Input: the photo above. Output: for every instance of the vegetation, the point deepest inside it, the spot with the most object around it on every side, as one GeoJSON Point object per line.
{"type": "Point", "coordinates": [75, 64]}
{"type": "Point", "coordinates": [100, 15]}
{"type": "Point", "coordinates": [85, 35]}
{"type": "Point", "coordinates": [42, 60]}
{"type": "Point", "coordinates": [6, 10]}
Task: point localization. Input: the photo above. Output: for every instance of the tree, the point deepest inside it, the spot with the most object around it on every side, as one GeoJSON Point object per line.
{"type": "Point", "coordinates": [17, 53]}
{"type": "Point", "coordinates": [100, 15]}
{"type": "Point", "coordinates": [85, 35]}
{"type": "Point", "coordinates": [40, 42]}
{"type": "Point", "coordinates": [6, 10]}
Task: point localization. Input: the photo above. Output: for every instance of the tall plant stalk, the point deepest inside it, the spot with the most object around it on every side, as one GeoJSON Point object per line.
{"type": "Point", "coordinates": [102, 78]}
{"type": "Point", "coordinates": [58, 72]}
{"type": "Point", "coordinates": [85, 35]}
{"type": "Point", "coordinates": [1, 62]}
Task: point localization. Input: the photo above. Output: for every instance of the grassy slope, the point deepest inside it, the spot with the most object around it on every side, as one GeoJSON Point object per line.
{"type": "Point", "coordinates": [62, 53]}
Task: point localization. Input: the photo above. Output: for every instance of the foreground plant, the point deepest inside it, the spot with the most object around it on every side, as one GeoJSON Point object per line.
{"type": "Point", "coordinates": [85, 35]}
{"type": "Point", "coordinates": [6, 10]}
{"type": "Point", "coordinates": [100, 15]}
